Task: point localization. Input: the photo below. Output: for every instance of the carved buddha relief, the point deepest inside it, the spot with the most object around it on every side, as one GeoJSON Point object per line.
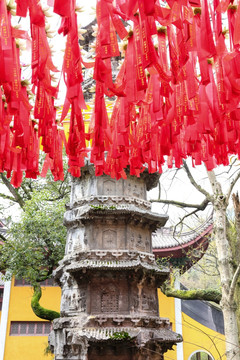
{"type": "Point", "coordinates": [148, 243]}
{"type": "Point", "coordinates": [136, 190]}
{"type": "Point", "coordinates": [109, 187]}
{"type": "Point", "coordinates": [140, 245]}
{"type": "Point", "coordinates": [78, 239]}
{"type": "Point", "coordinates": [131, 241]}
{"type": "Point", "coordinates": [73, 305]}
{"type": "Point", "coordinates": [128, 189]}
{"type": "Point", "coordinates": [79, 191]}
{"type": "Point", "coordinates": [109, 239]}
{"type": "Point", "coordinates": [69, 244]}
{"type": "Point", "coordinates": [134, 301]}
{"type": "Point", "coordinates": [149, 301]}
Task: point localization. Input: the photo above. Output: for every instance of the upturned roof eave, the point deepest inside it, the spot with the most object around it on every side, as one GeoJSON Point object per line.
{"type": "Point", "coordinates": [181, 249]}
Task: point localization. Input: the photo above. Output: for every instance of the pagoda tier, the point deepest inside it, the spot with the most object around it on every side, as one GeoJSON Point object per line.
{"type": "Point", "coordinates": [109, 277]}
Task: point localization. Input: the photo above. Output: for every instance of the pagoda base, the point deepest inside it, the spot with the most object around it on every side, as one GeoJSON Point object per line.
{"type": "Point", "coordinates": [110, 343]}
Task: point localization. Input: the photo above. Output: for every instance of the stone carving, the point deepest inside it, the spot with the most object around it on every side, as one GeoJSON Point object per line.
{"type": "Point", "coordinates": [65, 300]}
{"type": "Point", "coordinates": [66, 283]}
{"type": "Point", "coordinates": [135, 302]}
{"type": "Point", "coordinates": [132, 241]}
{"type": "Point", "coordinates": [147, 243]}
{"type": "Point", "coordinates": [114, 201]}
{"type": "Point", "coordinates": [82, 301]}
{"type": "Point", "coordinates": [110, 299]}
{"type": "Point", "coordinates": [128, 188]}
{"type": "Point", "coordinates": [135, 190]}
{"type": "Point", "coordinates": [138, 240]}
{"type": "Point", "coordinates": [73, 298]}
{"type": "Point", "coordinates": [139, 243]}
{"type": "Point", "coordinates": [78, 235]}
{"type": "Point", "coordinates": [149, 302]}
{"type": "Point", "coordinates": [109, 239]}
{"type": "Point", "coordinates": [76, 240]}
{"type": "Point", "coordinates": [108, 275]}
{"type": "Point", "coordinates": [68, 248]}
{"type": "Point", "coordinates": [109, 187]}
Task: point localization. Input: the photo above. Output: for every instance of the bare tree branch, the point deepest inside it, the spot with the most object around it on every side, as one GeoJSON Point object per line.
{"type": "Point", "coordinates": [233, 183]}
{"type": "Point", "coordinates": [182, 219]}
{"type": "Point", "coordinates": [201, 206]}
{"type": "Point", "coordinates": [233, 283]}
{"type": "Point", "coordinates": [194, 183]}
{"type": "Point", "coordinates": [7, 197]}
{"type": "Point", "coordinates": [13, 191]}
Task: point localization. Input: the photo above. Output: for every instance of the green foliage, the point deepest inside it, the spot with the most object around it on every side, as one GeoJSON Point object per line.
{"type": "Point", "coordinates": [36, 243]}
{"type": "Point", "coordinates": [48, 350]}
{"type": "Point", "coordinates": [120, 335]}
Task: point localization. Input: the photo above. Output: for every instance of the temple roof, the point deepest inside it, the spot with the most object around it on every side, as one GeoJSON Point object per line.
{"type": "Point", "coordinates": [167, 242]}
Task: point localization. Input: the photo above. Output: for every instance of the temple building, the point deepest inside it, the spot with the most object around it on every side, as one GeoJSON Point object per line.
{"type": "Point", "coordinates": [24, 336]}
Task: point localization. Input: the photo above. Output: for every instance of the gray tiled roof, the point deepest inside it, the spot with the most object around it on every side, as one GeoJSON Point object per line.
{"type": "Point", "coordinates": [165, 238]}
{"type": "Point", "coordinates": [117, 264]}
{"type": "Point", "coordinates": [93, 334]}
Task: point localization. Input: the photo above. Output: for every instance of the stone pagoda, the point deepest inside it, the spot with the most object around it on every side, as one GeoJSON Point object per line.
{"type": "Point", "coordinates": [109, 277]}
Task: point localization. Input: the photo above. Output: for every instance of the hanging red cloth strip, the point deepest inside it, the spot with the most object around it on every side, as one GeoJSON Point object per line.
{"type": "Point", "coordinates": [177, 90]}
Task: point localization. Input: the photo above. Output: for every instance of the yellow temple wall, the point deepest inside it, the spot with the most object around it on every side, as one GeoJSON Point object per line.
{"type": "Point", "coordinates": [27, 347]}
{"type": "Point", "coordinates": [196, 337]}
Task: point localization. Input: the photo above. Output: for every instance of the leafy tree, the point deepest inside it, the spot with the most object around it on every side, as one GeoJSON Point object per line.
{"type": "Point", "coordinates": [36, 242]}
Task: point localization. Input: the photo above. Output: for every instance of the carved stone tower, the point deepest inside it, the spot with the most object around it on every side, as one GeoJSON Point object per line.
{"type": "Point", "coordinates": [108, 276]}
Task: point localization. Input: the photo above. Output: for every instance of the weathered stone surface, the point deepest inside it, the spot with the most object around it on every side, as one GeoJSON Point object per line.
{"type": "Point", "coordinates": [108, 276]}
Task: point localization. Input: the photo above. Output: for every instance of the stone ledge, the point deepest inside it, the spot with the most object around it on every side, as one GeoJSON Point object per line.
{"type": "Point", "coordinates": [120, 213]}
{"type": "Point", "coordinates": [142, 336]}
{"type": "Point", "coordinates": [110, 200]}
{"type": "Point", "coordinates": [114, 265]}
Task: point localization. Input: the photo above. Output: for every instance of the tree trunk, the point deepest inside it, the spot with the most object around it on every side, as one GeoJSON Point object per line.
{"type": "Point", "coordinates": [235, 246]}
{"type": "Point", "coordinates": [38, 310]}
{"type": "Point", "coordinates": [226, 271]}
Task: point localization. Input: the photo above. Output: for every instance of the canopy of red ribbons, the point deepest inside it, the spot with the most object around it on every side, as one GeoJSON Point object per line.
{"type": "Point", "coordinates": [177, 91]}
